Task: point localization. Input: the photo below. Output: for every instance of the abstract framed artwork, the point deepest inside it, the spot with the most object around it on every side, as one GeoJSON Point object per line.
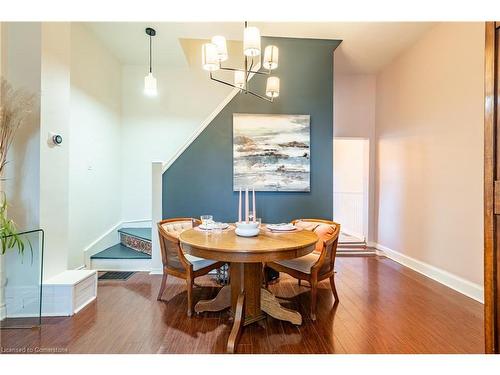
{"type": "Point", "coordinates": [271, 152]}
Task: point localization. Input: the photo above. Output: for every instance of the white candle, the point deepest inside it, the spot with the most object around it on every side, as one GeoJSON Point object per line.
{"type": "Point", "coordinates": [253, 204]}
{"type": "Point", "coordinates": [246, 205]}
{"type": "Point", "coordinates": [239, 208]}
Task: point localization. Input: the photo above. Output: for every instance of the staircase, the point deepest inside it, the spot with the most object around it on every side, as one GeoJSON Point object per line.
{"type": "Point", "coordinates": [351, 245]}
{"type": "Point", "coordinates": [132, 253]}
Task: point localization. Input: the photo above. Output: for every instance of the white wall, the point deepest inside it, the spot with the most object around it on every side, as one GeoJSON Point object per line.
{"type": "Point", "coordinates": [354, 116]}
{"type": "Point", "coordinates": [94, 142]}
{"type": "Point", "coordinates": [71, 191]}
{"type": "Point", "coordinates": [429, 126]}
{"type": "Point", "coordinates": [54, 161]}
{"type": "Point", "coordinates": [21, 67]}
{"type": "Point", "coordinates": [155, 128]}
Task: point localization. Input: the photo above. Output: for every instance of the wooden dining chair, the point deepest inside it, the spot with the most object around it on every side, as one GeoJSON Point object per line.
{"type": "Point", "coordinates": [319, 264]}
{"type": "Point", "coordinates": [176, 262]}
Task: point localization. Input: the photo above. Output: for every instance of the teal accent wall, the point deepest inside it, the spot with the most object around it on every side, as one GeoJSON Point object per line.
{"type": "Point", "coordinates": [200, 181]}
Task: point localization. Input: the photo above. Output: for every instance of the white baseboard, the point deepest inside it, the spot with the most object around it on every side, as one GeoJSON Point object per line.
{"type": "Point", "coordinates": [156, 271]}
{"type": "Point", "coordinates": [461, 285]}
{"type": "Point", "coordinates": [374, 245]}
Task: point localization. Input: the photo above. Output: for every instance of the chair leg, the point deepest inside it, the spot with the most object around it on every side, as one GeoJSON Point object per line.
{"type": "Point", "coordinates": [334, 289]}
{"type": "Point", "coordinates": [162, 287]}
{"type": "Point", "coordinates": [190, 283]}
{"type": "Point", "coordinates": [314, 295]}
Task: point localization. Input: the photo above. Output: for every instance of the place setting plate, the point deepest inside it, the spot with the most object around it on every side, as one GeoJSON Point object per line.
{"type": "Point", "coordinates": [210, 227]}
{"type": "Point", "coordinates": [281, 228]}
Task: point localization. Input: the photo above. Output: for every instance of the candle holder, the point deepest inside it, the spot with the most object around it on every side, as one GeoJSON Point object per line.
{"type": "Point", "coordinates": [250, 229]}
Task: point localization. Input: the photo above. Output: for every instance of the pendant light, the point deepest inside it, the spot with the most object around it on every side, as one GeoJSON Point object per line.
{"type": "Point", "coordinates": [215, 53]}
{"type": "Point", "coordinates": [150, 87]}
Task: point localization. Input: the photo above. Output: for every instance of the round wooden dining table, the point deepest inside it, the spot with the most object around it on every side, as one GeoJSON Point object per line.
{"type": "Point", "coordinates": [248, 300]}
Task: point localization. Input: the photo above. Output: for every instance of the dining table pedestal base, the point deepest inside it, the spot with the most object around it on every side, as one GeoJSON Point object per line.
{"type": "Point", "coordinates": [249, 302]}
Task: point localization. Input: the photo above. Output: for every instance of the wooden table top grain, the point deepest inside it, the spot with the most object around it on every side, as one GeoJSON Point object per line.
{"type": "Point", "coordinates": [229, 247]}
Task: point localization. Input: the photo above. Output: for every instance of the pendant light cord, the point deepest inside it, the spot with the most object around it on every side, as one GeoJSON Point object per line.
{"type": "Point", "coordinates": [150, 48]}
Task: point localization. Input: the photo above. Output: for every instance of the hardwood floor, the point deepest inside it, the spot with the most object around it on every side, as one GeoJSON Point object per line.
{"type": "Point", "coordinates": [384, 308]}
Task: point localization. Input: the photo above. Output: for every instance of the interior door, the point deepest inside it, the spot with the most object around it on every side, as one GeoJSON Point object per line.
{"type": "Point", "coordinates": [492, 189]}
{"type": "Point", "coordinates": [350, 186]}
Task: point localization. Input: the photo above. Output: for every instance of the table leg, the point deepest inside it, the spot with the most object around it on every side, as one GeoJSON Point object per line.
{"type": "Point", "coordinates": [239, 318]}
{"type": "Point", "coordinates": [221, 301]}
{"type": "Point", "coordinates": [271, 306]}
{"type": "Point", "coordinates": [248, 301]}
{"type": "Point", "coordinates": [247, 277]}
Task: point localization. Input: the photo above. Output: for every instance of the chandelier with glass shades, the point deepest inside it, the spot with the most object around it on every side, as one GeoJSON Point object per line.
{"type": "Point", "coordinates": [215, 53]}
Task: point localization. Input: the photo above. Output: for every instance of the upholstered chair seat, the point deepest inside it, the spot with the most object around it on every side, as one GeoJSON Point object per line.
{"type": "Point", "coordinates": [319, 264]}
{"type": "Point", "coordinates": [176, 262]}
{"type": "Point", "coordinates": [302, 264]}
{"type": "Point", "coordinates": [199, 263]}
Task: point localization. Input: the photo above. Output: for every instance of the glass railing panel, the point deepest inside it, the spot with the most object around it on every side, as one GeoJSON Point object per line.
{"type": "Point", "coordinates": [21, 283]}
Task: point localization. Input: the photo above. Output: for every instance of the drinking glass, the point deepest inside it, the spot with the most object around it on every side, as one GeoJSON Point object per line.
{"type": "Point", "coordinates": [258, 220]}
{"type": "Point", "coordinates": [217, 229]}
{"type": "Point", "coordinates": [250, 215]}
{"type": "Point", "coordinates": [207, 221]}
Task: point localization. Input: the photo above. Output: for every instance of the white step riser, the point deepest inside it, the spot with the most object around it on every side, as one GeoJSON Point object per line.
{"type": "Point", "coordinates": [121, 264]}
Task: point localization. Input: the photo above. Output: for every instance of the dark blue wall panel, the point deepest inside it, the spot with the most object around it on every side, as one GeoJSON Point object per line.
{"type": "Point", "coordinates": [200, 180]}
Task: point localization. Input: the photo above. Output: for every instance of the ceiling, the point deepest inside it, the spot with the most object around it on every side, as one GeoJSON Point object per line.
{"type": "Point", "coordinates": [366, 46]}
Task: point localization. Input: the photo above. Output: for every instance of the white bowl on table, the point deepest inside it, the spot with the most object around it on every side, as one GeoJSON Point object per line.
{"type": "Point", "coordinates": [250, 229]}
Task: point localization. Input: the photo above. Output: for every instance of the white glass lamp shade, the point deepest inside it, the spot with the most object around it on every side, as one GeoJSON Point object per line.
{"type": "Point", "coordinates": [150, 88]}
{"type": "Point", "coordinates": [270, 57]}
{"type": "Point", "coordinates": [220, 44]}
{"type": "Point", "coordinates": [209, 57]}
{"type": "Point", "coordinates": [273, 87]}
{"type": "Point", "coordinates": [251, 41]}
{"type": "Point", "coordinates": [239, 79]}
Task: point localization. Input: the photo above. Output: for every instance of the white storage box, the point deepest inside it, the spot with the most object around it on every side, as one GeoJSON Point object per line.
{"type": "Point", "coordinates": [69, 292]}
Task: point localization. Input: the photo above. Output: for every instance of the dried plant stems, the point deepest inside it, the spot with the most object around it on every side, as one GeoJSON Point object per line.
{"type": "Point", "coordinates": [15, 107]}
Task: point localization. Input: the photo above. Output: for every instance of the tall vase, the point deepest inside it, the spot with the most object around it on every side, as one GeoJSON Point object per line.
{"type": "Point", "coordinates": [3, 280]}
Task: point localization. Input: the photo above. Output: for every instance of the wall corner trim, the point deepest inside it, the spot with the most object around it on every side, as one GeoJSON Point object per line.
{"type": "Point", "coordinates": [205, 123]}
{"type": "Point", "coordinates": [200, 129]}
{"type": "Point", "coordinates": [461, 285]}
{"type": "Point", "coordinates": [100, 243]}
